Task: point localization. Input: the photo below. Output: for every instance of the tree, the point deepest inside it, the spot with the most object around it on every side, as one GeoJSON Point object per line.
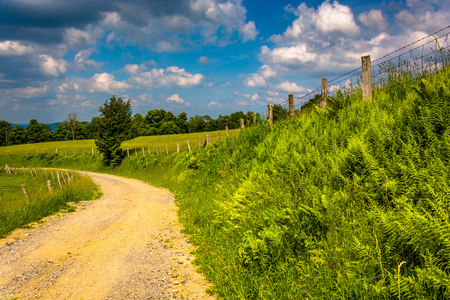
{"type": "Point", "coordinates": [279, 112]}
{"type": "Point", "coordinates": [5, 128]}
{"type": "Point", "coordinates": [72, 120]}
{"type": "Point", "coordinates": [18, 135]}
{"type": "Point", "coordinates": [38, 132]}
{"type": "Point", "coordinates": [114, 128]}
{"type": "Point", "coordinates": [62, 132]}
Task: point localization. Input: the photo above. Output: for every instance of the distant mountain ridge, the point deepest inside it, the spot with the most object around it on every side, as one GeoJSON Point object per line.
{"type": "Point", "coordinates": [52, 125]}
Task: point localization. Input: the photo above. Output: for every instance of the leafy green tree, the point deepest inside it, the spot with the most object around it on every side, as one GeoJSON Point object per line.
{"type": "Point", "coordinates": [18, 135]}
{"type": "Point", "coordinates": [5, 128]}
{"type": "Point", "coordinates": [234, 119]}
{"type": "Point", "coordinates": [114, 128]}
{"type": "Point", "coordinates": [169, 128]}
{"type": "Point", "coordinates": [279, 112]}
{"type": "Point", "coordinates": [196, 124]}
{"type": "Point", "coordinates": [62, 132]}
{"type": "Point", "coordinates": [38, 132]}
{"type": "Point", "coordinates": [92, 128]}
{"type": "Point", "coordinates": [182, 122]}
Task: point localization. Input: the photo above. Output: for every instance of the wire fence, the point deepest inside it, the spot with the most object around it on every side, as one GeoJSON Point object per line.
{"type": "Point", "coordinates": [420, 58]}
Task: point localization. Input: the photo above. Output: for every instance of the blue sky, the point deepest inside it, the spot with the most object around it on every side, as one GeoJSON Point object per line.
{"type": "Point", "coordinates": [198, 56]}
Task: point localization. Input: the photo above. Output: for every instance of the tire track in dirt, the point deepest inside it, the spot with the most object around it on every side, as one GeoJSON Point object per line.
{"type": "Point", "coordinates": [125, 245]}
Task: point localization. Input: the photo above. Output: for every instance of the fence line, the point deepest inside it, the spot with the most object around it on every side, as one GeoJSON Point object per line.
{"type": "Point", "coordinates": [417, 62]}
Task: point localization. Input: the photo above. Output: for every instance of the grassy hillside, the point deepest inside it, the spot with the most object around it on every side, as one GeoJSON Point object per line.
{"type": "Point", "coordinates": [16, 210]}
{"type": "Point", "coordinates": [80, 146]}
{"type": "Point", "coordinates": [349, 203]}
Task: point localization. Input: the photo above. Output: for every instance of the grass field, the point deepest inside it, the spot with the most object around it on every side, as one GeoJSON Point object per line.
{"type": "Point", "coordinates": [16, 210]}
{"type": "Point", "coordinates": [146, 142]}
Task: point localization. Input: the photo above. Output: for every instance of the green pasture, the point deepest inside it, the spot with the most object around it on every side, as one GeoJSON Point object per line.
{"type": "Point", "coordinates": [147, 142]}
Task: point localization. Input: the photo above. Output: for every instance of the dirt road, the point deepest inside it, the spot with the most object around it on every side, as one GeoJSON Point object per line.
{"type": "Point", "coordinates": [125, 245]}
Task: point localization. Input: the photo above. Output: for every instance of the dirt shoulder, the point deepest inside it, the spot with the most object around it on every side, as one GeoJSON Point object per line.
{"type": "Point", "coordinates": [125, 245]}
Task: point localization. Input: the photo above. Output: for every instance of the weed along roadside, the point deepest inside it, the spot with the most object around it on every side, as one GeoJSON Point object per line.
{"type": "Point", "coordinates": [29, 196]}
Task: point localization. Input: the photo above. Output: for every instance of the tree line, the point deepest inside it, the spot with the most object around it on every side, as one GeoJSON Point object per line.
{"type": "Point", "coordinates": [155, 122]}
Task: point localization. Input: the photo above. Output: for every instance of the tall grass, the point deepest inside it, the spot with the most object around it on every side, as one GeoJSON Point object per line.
{"type": "Point", "coordinates": [16, 210]}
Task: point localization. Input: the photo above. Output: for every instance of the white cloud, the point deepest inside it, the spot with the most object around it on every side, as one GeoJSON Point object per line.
{"type": "Point", "coordinates": [83, 63]}
{"type": "Point", "coordinates": [288, 57]}
{"type": "Point", "coordinates": [79, 39]}
{"type": "Point", "coordinates": [106, 83]}
{"type": "Point", "coordinates": [28, 92]}
{"type": "Point", "coordinates": [203, 60]}
{"type": "Point", "coordinates": [248, 32]}
{"type": "Point", "coordinates": [165, 46]}
{"type": "Point", "coordinates": [335, 18]}
{"type": "Point", "coordinates": [175, 98]}
{"type": "Point", "coordinates": [373, 19]}
{"type": "Point", "coordinates": [255, 97]}
{"type": "Point", "coordinates": [290, 87]}
{"type": "Point", "coordinates": [51, 66]}
{"type": "Point", "coordinates": [212, 104]}
{"type": "Point", "coordinates": [14, 48]}
{"type": "Point", "coordinates": [169, 77]}
{"type": "Point", "coordinates": [255, 80]}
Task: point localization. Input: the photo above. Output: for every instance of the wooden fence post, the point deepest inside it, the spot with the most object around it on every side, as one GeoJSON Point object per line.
{"type": "Point", "coordinates": [167, 150]}
{"type": "Point", "coordinates": [35, 172]}
{"type": "Point", "coordinates": [178, 147]}
{"type": "Point", "coordinates": [92, 150]}
{"type": "Point", "coordinates": [270, 107]}
{"type": "Point", "coordinates": [366, 77]}
{"type": "Point", "coordinates": [143, 151]}
{"type": "Point", "coordinates": [291, 106]}
{"type": "Point", "coordinates": [53, 177]}
{"type": "Point", "coordinates": [241, 123]}
{"type": "Point", "coordinates": [135, 151]}
{"type": "Point", "coordinates": [128, 152]}
{"type": "Point", "coordinates": [218, 135]}
{"type": "Point", "coordinates": [323, 102]}
{"type": "Point", "coordinates": [226, 128]}
{"type": "Point", "coordinates": [189, 146]}
{"type": "Point", "coordinates": [23, 169]}
{"type": "Point", "coordinates": [31, 171]}
{"type": "Point", "coordinates": [69, 179]}
{"type": "Point", "coordinates": [25, 191]}
{"type": "Point", "coordinates": [62, 175]}
{"type": "Point", "coordinates": [56, 150]}
{"type": "Point", "coordinates": [156, 150]}
{"type": "Point", "coordinates": [59, 180]}
{"type": "Point", "coordinates": [148, 148]}
{"type": "Point", "coordinates": [65, 152]}
{"type": "Point", "coordinates": [200, 142]}
{"type": "Point", "coordinates": [50, 186]}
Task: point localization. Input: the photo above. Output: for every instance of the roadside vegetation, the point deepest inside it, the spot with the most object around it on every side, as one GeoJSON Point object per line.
{"type": "Point", "coordinates": [352, 202]}
{"type": "Point", "coordinates": [17, 211]}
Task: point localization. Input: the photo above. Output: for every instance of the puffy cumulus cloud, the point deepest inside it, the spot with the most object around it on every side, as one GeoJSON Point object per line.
{"type": "Point", "coordinates": [15, 48]}
{"type": "Point", "coordinates": [373, 19]}
{"type": "Point", "coordinates": [83, 63]}
{"type": "Point", "coordinates": [248, 32]}
{"type": "Point", "coordinates": [329, 21]}
{"type": "Point", "coordinates": [167, 26]}
{"type": "Point", "coordinates": [51, 66]}
{"type": "Point", "coordinates": [290, 87]}
{"type": "Point", "coordinates": [260, 79]}
{"type": "Point", "coordinates": [106, 83]}
{"type": "Point", "coordinates": [255, 80]}
{"type": "Point", "coordinates": [79, 39]}
{"type": "Point", "coordinates": [335, 18]}
{"type": "Point", "coordinates": [176, 99]}
{"type": "Point", "coordinates": [169, 77]}
{"type": "Point", "coordinates": [327, 40]}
